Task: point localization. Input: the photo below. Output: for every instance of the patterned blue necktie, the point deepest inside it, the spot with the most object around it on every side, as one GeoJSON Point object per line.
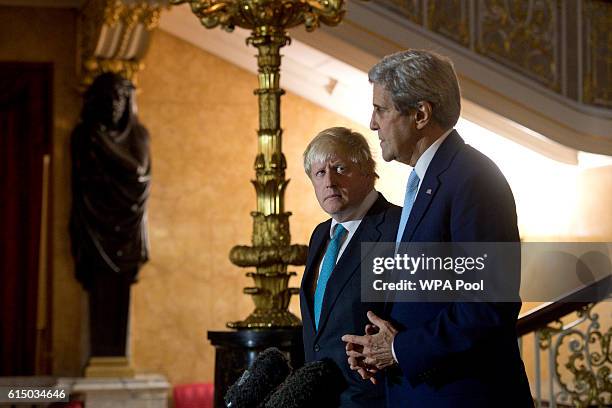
{"type": "Point", "coordinates": [411, 190]}
{"type": "Point", "coordinates": [329, 262]}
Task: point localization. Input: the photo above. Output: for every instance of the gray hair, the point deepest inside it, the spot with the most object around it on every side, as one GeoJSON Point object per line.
{"type": "Point", "coordinates": [340, 141]}
{"type": "Point", "coordinates": [414, 76]}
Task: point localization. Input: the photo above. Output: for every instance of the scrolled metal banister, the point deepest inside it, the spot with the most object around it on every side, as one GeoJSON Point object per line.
{"type": "Point", "coordinates": [579, 351]}
{"type": "Point", "coordinates": [552, 311]}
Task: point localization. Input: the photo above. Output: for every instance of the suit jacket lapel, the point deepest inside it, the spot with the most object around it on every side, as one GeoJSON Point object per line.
{"type": "Point", "coordinates": [315, 253]}
{"type": "Point", "coordinates": [350, 261]}
{"type": "Point", "coordinates": [430, 185]}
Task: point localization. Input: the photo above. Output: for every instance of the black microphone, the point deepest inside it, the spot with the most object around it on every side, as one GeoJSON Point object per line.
{"type": "Point", "coordinates": [317, 384]}
{"type": "Point", "coordinates": [268, 370]}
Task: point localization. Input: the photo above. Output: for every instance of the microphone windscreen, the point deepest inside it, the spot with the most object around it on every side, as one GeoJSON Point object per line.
{"type": "Point", "coordinates": [316, 384]}
{"type": "Point", "coordinates": [269, 369]}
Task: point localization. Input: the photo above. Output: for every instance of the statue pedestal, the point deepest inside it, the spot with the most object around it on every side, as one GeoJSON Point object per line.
{"type": "Point", "coordinates": [109, 367]}
{"type": "Point", "coordinates": [236, 351]}
{"type": "Point", "coordinates": [141, 391]}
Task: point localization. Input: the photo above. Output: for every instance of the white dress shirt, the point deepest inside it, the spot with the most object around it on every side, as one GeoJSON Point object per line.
{"type": "Point", "coordinates": [420, 169]}
{"type": "Point", "coordinates": [351, 225]}
{"type": "Point", "coordinates": [421, 166]}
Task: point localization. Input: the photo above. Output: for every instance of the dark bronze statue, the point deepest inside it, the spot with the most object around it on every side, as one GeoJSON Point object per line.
{"type": "Point", "coordinates": [110, 186]}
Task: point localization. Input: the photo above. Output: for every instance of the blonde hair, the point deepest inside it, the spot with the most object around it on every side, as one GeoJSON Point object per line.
{"type": "Point", "coordinates": [340, 141]}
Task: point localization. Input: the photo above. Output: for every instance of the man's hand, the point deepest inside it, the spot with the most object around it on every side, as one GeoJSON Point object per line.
{"type": "Point", "coordinates": [370, 353]}
{"type": "Point", "coordinates": [356, 364]}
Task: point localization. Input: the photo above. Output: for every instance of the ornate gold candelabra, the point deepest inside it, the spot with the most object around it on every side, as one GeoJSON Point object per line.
{"type": "Point", "coordinates": [271, 251]}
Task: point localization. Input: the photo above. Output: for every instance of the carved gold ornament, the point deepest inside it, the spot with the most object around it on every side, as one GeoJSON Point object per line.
{"type": "Point", "coordinates": [114, 36]}
{"type": "Point", "coordinates": [597, 77]}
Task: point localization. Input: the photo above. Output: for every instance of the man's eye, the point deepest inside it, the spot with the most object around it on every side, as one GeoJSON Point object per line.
{"type": "Point", "coordinates": [340, 169]}
{"type": "Point", "coordinates": [320, 173]}
{"type": "Point", "coordinates": [378, 109]}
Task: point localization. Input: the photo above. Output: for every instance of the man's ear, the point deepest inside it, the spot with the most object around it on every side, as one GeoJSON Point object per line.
{"type": "Point", "coordinates": [424, 112]}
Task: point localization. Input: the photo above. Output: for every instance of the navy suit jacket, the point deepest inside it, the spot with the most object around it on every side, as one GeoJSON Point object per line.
{"type": "Point", "coordinates": [342, 311]}
{"type": "Point", "coordinates": [459, 354]}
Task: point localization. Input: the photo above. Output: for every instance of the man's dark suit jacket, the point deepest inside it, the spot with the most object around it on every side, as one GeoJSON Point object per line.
{"type": "Point", "coordinates": [342, 311]}
{"type": "Point", "coordinates": [459, 354]}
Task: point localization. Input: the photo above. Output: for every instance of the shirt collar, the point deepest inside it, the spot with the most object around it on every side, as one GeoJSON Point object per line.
{"type": "Point", "coordinates": [352, 225]}
{"type": "Point", "coordinates": [423, 163]}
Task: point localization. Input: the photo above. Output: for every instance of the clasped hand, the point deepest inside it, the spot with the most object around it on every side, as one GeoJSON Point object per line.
{"type": "Point", "coordinates": [371, 353]}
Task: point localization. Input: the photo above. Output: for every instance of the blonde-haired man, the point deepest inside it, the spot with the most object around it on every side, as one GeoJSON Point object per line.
{"type": "Point", "coordinates": [340, 166]}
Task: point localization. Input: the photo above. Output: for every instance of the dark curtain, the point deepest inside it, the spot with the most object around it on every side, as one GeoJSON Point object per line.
{"type": "Point", "coordinates": [25, 127]}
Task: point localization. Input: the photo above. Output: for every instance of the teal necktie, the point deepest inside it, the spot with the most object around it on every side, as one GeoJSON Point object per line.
{"type": "Point", "coordinates": [329, 262]}
{"type": "Point", "coordinates": [411, 190]}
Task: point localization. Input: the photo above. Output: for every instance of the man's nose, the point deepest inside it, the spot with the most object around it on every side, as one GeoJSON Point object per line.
{"type": "Point", "coordinates": [330, 179]}
{"type": "Point", "coordinates": [373, 123]}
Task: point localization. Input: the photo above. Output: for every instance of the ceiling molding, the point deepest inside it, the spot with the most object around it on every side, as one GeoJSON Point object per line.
{"type": "Point", "coordinates": [375, 32]}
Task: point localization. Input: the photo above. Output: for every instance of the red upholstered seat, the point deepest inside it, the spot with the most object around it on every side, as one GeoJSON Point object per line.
{"type": "Point", "coordinates": [197, 395]}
